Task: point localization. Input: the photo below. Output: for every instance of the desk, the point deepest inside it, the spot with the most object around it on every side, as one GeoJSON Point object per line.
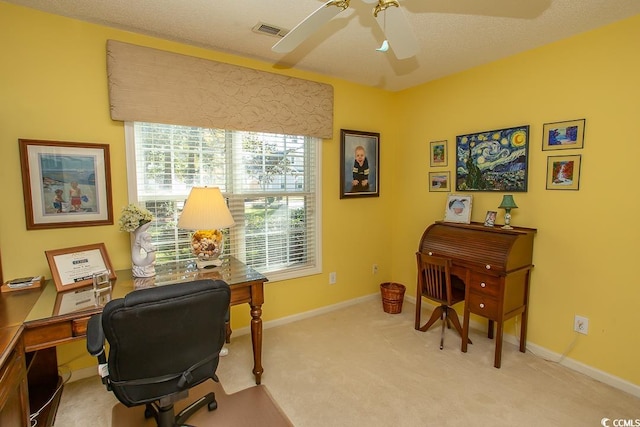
{"type": "Point", "coordinates": [46, 326]}
{"type": "Point", "coordinates": [495, 265]}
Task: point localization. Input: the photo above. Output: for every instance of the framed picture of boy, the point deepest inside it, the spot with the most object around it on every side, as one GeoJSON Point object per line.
{"type": "Point", "coordinates": [359, 164]}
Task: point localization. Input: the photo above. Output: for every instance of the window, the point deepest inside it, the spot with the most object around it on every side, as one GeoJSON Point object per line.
{"type": "Point", "coordinates": [270, 182]}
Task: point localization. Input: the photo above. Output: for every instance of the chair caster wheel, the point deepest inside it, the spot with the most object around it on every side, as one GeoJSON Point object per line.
{"type": "Point", "coordinates": [148, 413]}
{"type": "Point", "coordinates": [213, 405]}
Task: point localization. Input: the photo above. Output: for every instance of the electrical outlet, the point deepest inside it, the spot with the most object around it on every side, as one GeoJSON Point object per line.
{"type": "Point", "coordinates": [581, 324]}
{"type": "Point", "coordinates": [332, 278]}
{"type": "Point", "coordinates": [374, 269]}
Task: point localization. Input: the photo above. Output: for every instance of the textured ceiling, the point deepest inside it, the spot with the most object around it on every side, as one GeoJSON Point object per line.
{"type": "Point", "coordinates": [454, 35]}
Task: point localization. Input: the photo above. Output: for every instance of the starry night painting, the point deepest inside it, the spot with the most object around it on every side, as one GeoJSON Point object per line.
{"type": "Point", "coordinates": [493, 161]}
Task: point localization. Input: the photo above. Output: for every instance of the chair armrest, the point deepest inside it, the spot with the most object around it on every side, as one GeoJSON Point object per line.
{"type": "Point", "coordinates": [95, 335]}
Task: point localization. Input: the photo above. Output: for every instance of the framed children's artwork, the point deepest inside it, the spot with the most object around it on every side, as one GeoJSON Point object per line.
{"type": "Point", "coordinates": [563, 135]}
{"type": "Point", "coordinates": [458, 209]}
{"type": "Point", "coordinates": [490, 218]}
{"type": "Point", "coordinates": [494, 160]}
{"type": "Point", "coordinates": [563, 172]}
{"type": "Point", "coordinates": [438, 153]}
{"type": "Point", "coordinates": [440, 181]}
{"type": "Point", "coordinates": [65, 184]}
{"type": "Point", "coordinates": [359, 164]}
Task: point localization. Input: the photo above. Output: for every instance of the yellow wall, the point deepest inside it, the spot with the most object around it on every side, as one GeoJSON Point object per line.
{"type": "Point", "coordinates": [585, 251]}
{"type": "Point", "coordinates": [53, 86]}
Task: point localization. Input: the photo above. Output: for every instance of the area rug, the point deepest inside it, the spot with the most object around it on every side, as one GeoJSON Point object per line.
{"type": "Point", "coordinates": [250, 407]}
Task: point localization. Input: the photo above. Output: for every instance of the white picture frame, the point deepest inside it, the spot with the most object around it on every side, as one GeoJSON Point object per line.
{"type": "Point", "coordinates": [458, 208]}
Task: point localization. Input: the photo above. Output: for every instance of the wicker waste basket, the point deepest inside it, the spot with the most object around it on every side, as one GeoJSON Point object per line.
{"type": "Point", "coordinates": [392, 297]}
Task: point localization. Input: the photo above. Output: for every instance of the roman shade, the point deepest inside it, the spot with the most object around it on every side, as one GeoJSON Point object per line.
{"type": "Point", "coordinates": [151, 85]}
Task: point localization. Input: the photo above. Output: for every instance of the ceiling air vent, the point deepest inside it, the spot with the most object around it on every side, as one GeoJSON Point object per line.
{"type": "Point", "coordinates": [270, 30]}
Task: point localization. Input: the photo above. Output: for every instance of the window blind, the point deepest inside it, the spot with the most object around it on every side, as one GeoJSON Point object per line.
{"type": "Point", "coordinates": [270, 182]}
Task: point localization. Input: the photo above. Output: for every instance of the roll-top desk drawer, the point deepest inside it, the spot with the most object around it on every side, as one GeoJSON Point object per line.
{"type": "Point", "coordinates": [484, 284]}
{"type": "Point", "coordinates": [484, 306]}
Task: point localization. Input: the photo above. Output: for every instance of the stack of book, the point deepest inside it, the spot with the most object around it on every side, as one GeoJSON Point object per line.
{"type": "Point", "coordinates": [21, 283]}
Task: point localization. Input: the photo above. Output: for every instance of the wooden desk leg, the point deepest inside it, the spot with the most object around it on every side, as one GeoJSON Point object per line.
{"type": "Point", "coordinates": [498, 355]}
{"type": "Point", "coordinates": [523, 332]}
{"type": "Point", "coordinates": [465, 330]}
{"type": "Point", "coordinates": [525, 314]}
{"type": "Point", "coordinates": [228, 332]}
{"type": "Point", "coordinates": [256, 340]}
{"type": "Point", "coordinates": [490, 330]}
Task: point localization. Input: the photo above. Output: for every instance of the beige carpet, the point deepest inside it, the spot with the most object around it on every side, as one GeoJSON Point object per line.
{"type": "Point", "coordinates": [359, 366]}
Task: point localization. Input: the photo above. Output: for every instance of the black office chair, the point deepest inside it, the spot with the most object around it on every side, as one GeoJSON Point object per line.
{"type": "Point", "coordinates": [162, 342]}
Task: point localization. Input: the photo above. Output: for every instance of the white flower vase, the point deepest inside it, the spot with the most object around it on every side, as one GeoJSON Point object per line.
{"type": "Point", "coordinates": [143, 254]}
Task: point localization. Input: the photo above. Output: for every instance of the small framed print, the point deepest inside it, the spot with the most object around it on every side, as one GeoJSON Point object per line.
{"type": "Point", "coordinates": [438, 153]}
{"type": "Point", "coordinates": [75, 267]}
{"type": "Point", "coordinates": [563, 172]}
{"type": "Point", "coordinates": [563, 135]}
{"type": "Point", "coordinates": [490, 218]}
{"type": "Point", "coordinates": [440, 181]}
{"type": "Point", "coordinates": [458, 209]}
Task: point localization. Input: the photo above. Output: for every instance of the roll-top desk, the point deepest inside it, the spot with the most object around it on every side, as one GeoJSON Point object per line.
{"type": "Point", "coordinates": [495, 265]}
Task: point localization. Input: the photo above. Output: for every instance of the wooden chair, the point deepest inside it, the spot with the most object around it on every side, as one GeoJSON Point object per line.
{"type": "Point", "coordinates": [435, 283]}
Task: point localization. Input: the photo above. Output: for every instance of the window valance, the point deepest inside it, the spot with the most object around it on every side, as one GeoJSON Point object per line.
{"type": "Point", "coordinates": [152, 85]}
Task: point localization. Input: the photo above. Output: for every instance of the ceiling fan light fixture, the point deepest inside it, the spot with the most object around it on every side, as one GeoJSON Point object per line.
{"type": "Point", "coordinates": [384, 46]}
{"type": "Point", "coordinates": [398, 34]}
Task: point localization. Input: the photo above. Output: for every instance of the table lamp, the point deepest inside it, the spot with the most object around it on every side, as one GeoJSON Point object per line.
{"type": "Point", "coordinates": [206, 212]}
{"type": "Point", "coordinates": [507, 204]}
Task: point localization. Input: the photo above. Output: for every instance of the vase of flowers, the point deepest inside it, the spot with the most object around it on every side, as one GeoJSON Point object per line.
{"type": "Point", "coordinates": [207, 246]}
{"type": "Point", "coordinates": [137, 221]}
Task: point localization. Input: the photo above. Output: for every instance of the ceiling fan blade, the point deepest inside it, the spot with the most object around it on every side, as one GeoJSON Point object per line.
{"type": "Point", "coordinates": [310, 25]}
{"type": "Point", "coordinates": [398, 32]}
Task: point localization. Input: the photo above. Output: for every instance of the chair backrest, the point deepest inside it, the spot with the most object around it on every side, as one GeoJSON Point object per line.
{"type": "Point", "coordinates": [165, 340]}
{"type": "Point", "coordinates": [434, 277]}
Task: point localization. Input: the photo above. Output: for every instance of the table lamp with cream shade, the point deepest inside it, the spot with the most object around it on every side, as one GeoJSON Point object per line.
{"type": "Point", "coordinates": [206, 212]}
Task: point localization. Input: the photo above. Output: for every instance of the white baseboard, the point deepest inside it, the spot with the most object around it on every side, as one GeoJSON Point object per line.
{"type": "Point", "coordinates": [587, 370]}
{"type": "Point", "coordinates": [308, 314]}
{"type": "Point", "coordinates": [80, 374]}
{"type": "Point", "coordinates": [551, 356]}
{"type": "Point", "coordinates": [535, 349]}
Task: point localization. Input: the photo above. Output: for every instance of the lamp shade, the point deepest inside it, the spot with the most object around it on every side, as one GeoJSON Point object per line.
{"type": "Point", "coordinates": [205, 209]}
{"type": "Point", "coordinates": [508, 202]}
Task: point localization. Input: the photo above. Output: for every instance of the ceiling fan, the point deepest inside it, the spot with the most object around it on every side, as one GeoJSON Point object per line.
{"type": "Point", "coordinates": [387, 13]}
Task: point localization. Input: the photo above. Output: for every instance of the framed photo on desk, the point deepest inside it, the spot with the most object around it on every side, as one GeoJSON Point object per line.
{"type": "Point", "coordinates": [458, 208]}
{"type": "Point", "coordinates": [73, 268]}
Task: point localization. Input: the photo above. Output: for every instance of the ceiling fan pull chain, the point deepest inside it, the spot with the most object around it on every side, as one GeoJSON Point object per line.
{"type": "Point", "coordinates": [385, 43]}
